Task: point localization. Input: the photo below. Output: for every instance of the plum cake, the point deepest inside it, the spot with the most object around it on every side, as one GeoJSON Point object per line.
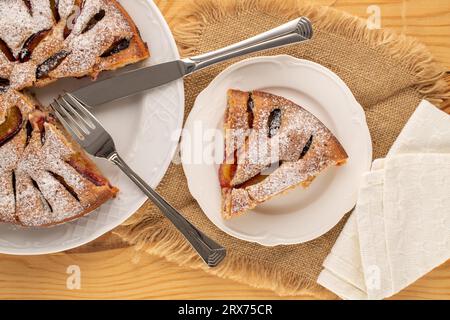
{"type": "Point", "coordinates": [45, 177]}
{"type": "Point", "coordinates": [272, 145]}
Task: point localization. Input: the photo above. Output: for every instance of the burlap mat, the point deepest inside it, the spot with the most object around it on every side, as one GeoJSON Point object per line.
{"type": "Point", "coordinates": [389, 74]}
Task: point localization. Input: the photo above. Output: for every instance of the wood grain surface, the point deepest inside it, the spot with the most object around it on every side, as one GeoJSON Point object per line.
{"type": "Point", "coordinates": [108, 269]}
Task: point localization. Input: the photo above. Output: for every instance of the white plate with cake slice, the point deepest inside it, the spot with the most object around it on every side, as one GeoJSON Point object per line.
{"type": "Point", "coordinates": [143, 128]}
{"type": "Point", "coordinates": [318, 124]}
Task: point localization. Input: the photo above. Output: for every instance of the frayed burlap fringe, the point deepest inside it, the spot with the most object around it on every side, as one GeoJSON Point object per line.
{"type": "Point", "coordinates": [148, 235]}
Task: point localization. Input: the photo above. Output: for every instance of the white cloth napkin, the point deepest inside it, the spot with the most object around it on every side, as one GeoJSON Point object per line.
{"type": "Point", "coordinates": [400, 229]}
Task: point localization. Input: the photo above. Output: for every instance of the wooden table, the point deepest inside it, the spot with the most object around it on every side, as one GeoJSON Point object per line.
{"type": "Point", "coordinates": [109, 269]}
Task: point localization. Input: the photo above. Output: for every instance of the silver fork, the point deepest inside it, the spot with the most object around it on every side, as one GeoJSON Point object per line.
{"type": "Point", "coordinates": [90, 134]}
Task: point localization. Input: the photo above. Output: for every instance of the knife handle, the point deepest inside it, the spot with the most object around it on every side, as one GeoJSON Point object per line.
{"type": "Point", "coordinates": [295, 31]}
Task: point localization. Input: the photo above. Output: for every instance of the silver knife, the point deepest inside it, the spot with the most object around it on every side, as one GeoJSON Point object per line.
{"type": "Point", "coordinates": [135, 81]}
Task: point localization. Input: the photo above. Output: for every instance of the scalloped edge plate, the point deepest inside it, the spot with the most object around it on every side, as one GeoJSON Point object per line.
{"type": "Point", "coordinates": [302, 214]}
{"type": "Point", "coordinates": [143, 127]}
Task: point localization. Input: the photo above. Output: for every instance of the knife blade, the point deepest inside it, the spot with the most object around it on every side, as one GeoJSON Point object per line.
{"type": "Point", "coordinates": [131, 82]}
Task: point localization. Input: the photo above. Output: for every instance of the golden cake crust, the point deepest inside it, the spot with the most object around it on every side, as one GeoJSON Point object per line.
{"type": "Point", "coordinates": [279, 137]}
{"type": "Point", "coordinates": [85, 38]}
{"type": "Point", "coordinates": [45, 177]}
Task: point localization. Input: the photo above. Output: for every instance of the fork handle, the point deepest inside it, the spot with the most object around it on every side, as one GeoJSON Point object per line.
{"type": "Point", "coordinates": [211, 252]}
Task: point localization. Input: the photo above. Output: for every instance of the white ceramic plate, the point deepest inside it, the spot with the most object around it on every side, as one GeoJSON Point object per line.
{"type": "Point", "coordinates": [301, 215]}
{"type": "Point", "coordinates": [142, 127]}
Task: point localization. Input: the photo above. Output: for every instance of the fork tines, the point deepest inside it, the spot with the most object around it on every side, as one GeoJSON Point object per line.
{"type": "Point", "coordinates": [74, 115]}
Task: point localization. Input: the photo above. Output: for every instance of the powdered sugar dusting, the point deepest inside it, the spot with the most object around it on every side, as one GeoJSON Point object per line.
{"type": "Point", "coordinates": [37, 185]}
{"type": "Point", "coordinates": [17, 25]}
{"type": "Point", "coordinates": [5, 66]}
{"type": "Point", "coordinates": [23, 75]}
{"type": "Point", "coordinates": [240, 201]}
{"type": "Point", "coordinates": [66, 8]}
{"type": "Point", "coordinates": [9, 157]}
{"type": "Point", "coordinates": [41, 198]}
{"type": "Point", "coordinates": [84, 47]}
{"type": "Point", "coordinates": [299, 164]}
